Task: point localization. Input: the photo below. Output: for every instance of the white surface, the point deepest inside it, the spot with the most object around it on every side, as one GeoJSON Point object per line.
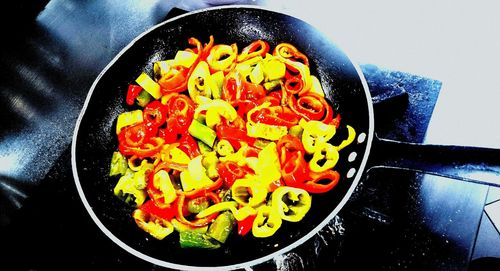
{"type": "Point", "coordinates": [456, 42]}
{"type": "Point", "coordinates": [493, 212]}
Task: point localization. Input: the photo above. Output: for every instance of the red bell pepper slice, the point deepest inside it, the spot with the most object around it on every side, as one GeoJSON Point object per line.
{"type": "Point", "coordinates": [199, 50]}
{"type": "Point", "coordinates": [231, 88]}
{"type": "Point", "coordinates": [276, 115]}
{"type": "Point", "coordinates": [287, 146]}
{"type": "Point", "coordinates": [234, 136]}
{"type": "Point", "coordinates": [308, 106]}
{"type": "Point", "coordinates": [168, 134]}
{"type": "Point", "coordinates": [189, 145]}
{"type": "Point", "coordinates": [155, 113]}
{"type": "Point", "coordinates": [180, 113]}
{"type": "Point", "coordinates": [173, 79]}
{"type": "Point", "coordinates": [245, 225]}
{"type": "Point", "coordinates": [132, 93]}
{"type": "Point", "coordinates": [294, 85]}
{"type": "Point", "coordinates": [166, 213]}
{"type": "Point", "coordinates": [288, 51]}
{"type": "Point", "coordinates": [256, 48]}
{"type": "Point", "coordinates": [207, 48]}
{"type": "Point", "coordinates": [199, 222]}
{"type": "Point", "coordinates": [253, 92]}
{"type": "Point", "coordinates": [149, 149]}
{"type": "Point", "coordinates": [230, 171]}
{"type": "Point", "coordinates": [295, 170]}
{"type": "Point", "coordinates": [321, 182]}
{"type": "Point", "coordinates": [244, 106]}
{"type": "Point", "coordinates": [136, 135]}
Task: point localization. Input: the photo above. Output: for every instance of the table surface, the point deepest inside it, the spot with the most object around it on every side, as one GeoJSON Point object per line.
{"type": "Point", "coordinates": [50, 65]}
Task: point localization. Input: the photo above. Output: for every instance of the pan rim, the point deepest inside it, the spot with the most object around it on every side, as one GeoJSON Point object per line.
{"type": "Point", "coordinates": [245, 265]}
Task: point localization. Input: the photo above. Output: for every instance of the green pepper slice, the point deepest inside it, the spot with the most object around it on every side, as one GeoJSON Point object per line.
{"type": "Point", "coordinates": [118, 165]}
{"type": "Point", "coordinates": [192, 239]}
{"type": "Point", "coordinates": [221, 228]}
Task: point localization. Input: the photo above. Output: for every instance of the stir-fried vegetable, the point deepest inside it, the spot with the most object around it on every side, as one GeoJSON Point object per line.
{"type": "Point", "coordinates": [219, 143]}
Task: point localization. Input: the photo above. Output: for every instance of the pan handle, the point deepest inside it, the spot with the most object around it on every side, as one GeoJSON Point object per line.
{"type": "Point", "coordinates": [471, 164]}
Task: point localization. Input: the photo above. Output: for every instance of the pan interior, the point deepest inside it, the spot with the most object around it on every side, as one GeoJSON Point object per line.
{"type": "Point", "coordinates": [94, 140]}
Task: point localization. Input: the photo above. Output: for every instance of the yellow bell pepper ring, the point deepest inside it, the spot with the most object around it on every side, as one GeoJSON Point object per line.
{"type": "Point", "coordinates": [315, 134]}
{"type": "Point", "coordinates": [200, 82]}
{"type": "Point", "coordinates": [351, 134]}
{"type": "Point", "coordinates": [291, 203]}
{"type": "Point", "coordinates": [224, 148]}
{"type": "Point", "coordinates": [195, 177]}
{"type": "Point", "coordinates": [162, 181]}
{"type": "Point", "coordinates": [219, 207]}
{"type": "Point", "coordinates": [248, 192]}
{"type": "Point", "coordinates": [157, 227]}
{"type": "Point", "coordinates": [215, 109]}
{"type": "Point", "coordinates": [324, 158]}
{"type": "Point", "coordinates": [127, 190]}
{"type": "Point", "coordinates": [222, 56]}
{"type": "Point", "coordinates": [266, 223]}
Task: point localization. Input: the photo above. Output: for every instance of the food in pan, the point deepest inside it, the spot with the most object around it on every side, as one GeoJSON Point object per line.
{"type": "Point", "coordinates": [219, 142]}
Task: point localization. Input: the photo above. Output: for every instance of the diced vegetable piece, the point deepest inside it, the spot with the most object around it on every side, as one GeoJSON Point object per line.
{"type": "Point", "coordinates": [162, 180]}
{"type": "Point", "coordinates": [192, 239]}
{"type": "Point", "coordinates": [195, 177]}
{"type": "Point", "coordinates": [143, 98]}
{"type": "Point", "coordinates": [126, 190]}
{"type": "Point", "coordinates": [149, 85]}
{"type": "Point", "coordinates": [197, 205]}
{"type": "Point", "coordinates": [257, 75]}
{"type": "Point", "coordinates": [221, 228]}
{"type": "Point", "coordinates": [218, 79]}
{"type": "Point", "coordinates": [271, 84]}
{"type": "Point", "coordinates": [161, 68]}
{"type": "Point", "coordinates": [185, 58]}
{"type": "Point", "coordinates": [274, 69]}
{"type": "Point", "coordinates": [266, 131]}
{"type": "Point", "coordinates": [119, 164]}
{"type": "Point", "coordinates": [128, 118]}
{"type": "Point", "coordinates": [316, 86]}
{"type": "Point", "coordinates": [203, 133]}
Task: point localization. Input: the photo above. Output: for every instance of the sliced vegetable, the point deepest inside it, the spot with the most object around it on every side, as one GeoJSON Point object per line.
{"type": "Point", "coordinates": [118, 165]}
{"type": "Point", "coordinates": [127, 119]}
{"type": "Point", "coordinates": [148, 84]}
{"type": "Point", "coordinates": [315, 135]}
{"type": "Point", "coordinates": [193, 239]}
{"type": "Point", "coordinates": [225, 140]}
{"type": "Point", "coordinates": [221, 228]}
{"type": "Point", "coordinates": [291, 203]}
{"type": "Point", "coordinates": [266, 223]}
{"type": "Point", "coordinates": [203, 133]}
{"type": "Point", "coordinates": [157, 227]}
{"type": "Point", "coordinates": [126, 190]}
{"type": "Point", "coordinates": [324, 158]}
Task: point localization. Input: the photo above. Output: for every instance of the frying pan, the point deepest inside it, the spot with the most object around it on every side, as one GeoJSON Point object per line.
{"type": "Point", "coordinates": [94, 139]}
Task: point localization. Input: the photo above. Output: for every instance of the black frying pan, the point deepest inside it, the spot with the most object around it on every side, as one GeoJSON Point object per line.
{"type": "Point", "coordinates": [94, 138]}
